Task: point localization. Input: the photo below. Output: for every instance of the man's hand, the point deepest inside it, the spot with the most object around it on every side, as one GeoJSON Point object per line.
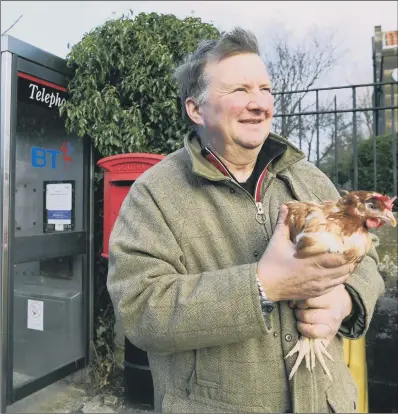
{"type": "Point", "coordinates": [321, 317]}
{"type": "Point", "coordinates": [286, 277]}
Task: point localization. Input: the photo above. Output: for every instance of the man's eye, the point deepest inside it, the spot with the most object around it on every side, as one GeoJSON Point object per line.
{"type": "Point", "coordinates": [240, 90]}
{"type": "Point", "coordinates": [267, 90]}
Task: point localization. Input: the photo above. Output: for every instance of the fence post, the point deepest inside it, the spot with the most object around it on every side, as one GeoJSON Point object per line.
{"type": "Point", "coordinates": [354, 137]}
{"type": "Point", "coordinates": [336, 145]}
{"type": "Point", "coordinates": [317, 128]}
{"type": "Point", "coordinates": [300, 126]}
{"type": "Point", "coordinates": [283, 115]}
{"type": "Point", "coordinates": [393, 143]}
{"type": "Point", "coordinates": [375, 129]}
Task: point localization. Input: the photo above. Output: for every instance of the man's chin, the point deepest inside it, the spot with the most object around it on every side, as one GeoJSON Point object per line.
{"type": "Point", "coordinates": [252, 144]}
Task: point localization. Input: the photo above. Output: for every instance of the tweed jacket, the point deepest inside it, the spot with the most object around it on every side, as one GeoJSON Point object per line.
{"type": "Point", "coordinates": [182, 276]}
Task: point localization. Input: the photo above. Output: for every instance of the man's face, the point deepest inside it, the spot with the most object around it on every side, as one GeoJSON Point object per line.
{"type": "Point", "coordinates": [238, 108]}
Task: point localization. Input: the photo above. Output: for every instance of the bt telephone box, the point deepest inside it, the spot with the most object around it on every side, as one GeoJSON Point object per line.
{"type": "Point", "coordinates": [45, 226]}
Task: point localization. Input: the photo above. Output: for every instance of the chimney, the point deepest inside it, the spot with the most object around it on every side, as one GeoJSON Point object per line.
{"type": "Point", "coordinates": [377, 47]}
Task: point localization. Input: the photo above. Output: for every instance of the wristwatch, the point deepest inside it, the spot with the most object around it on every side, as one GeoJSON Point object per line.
{"type": "Point", "coordinates": [267, 305]}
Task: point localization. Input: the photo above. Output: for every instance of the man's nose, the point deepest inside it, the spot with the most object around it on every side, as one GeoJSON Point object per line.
{"type": "Point", "coordinates": [260, 101]}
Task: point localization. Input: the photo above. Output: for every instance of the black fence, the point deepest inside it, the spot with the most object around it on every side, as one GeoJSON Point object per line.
{"type": "Point", "coordinates": [349, 132]}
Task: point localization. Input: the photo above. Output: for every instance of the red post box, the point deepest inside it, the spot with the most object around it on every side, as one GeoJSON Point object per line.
{"type": "Point", "coordinates": [120, 172]}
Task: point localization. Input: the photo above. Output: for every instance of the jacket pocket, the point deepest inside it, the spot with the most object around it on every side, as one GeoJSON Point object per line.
{"type": "Point", "coordinates": [342, 399]}
{"type": "Point", "coordinates": [173, 403]}
{"type": "Point", "coordinates": [208, 363]}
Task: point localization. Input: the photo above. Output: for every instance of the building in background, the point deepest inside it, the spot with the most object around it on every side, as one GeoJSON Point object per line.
{"type": "Point", "coordinates": [385, 69]}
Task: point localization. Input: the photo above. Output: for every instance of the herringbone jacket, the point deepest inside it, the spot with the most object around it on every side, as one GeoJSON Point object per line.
{"type": "Point", "coordinates": [182, 276]}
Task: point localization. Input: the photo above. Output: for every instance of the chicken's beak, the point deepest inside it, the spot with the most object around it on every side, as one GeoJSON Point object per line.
{"type": "Point", "coordinates": [389, 216]}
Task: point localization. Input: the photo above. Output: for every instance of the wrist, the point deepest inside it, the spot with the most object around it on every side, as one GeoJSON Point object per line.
{"type": "Point", "coordinates": [267, 305]}
{"type": "Point", "coordinates": [267, 288]}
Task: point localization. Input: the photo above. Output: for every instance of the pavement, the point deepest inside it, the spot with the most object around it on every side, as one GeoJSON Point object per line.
{"type": "Point", "coordinates": [71, 395]}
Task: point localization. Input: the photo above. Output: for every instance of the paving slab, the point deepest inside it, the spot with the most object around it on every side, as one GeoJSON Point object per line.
{"type": "Point", "coordinates": [65, 396]}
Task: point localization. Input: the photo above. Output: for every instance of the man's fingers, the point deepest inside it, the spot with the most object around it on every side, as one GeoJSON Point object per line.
{"type": "Point", "coordinates": [302, 304]}
{"type": "Point", "coordinates": [336, 282]}
{"type": "Point", "coordinates": [313, 316]}
{"type": "Point", "coordinates": [329, 260]}
{"type": "Point", "coordinates": [337, 272]}
{"type": "Point", "coordinates": [281, 225]}
{"type": "Point", "coordinates": [321, 330]}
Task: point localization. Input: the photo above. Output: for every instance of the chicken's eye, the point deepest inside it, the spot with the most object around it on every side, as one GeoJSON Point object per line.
{"type": "Point", "coordinates": [370, 206]}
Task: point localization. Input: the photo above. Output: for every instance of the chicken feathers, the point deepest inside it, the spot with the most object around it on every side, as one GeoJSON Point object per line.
{"type": "Point", "coordinates": [341, 227]}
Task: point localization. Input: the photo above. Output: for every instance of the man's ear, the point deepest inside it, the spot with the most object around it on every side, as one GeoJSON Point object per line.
{"type": "Point", "coordinates": [193, 111]}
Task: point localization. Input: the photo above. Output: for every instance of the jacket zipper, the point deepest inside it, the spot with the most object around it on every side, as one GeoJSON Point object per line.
{"type": "Point", "coordinates": [260, 214]}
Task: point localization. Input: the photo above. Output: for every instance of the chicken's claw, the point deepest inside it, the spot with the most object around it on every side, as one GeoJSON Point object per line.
{"type": "Point", "coordinates": [309, 348]}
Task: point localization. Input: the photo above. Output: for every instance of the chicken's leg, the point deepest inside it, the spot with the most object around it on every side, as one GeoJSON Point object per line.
{"type": "Point", "coordinates": [309, 348]}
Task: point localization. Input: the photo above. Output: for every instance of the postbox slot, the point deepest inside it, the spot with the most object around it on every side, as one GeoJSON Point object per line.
{"type": "Point", "coordinates": [123, 183]}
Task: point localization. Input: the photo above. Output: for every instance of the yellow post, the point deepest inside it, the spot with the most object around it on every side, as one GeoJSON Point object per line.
{"type": "Point", "coordinates": [355, 358]}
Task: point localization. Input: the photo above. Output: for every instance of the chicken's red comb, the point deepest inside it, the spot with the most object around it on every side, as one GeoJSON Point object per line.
{"type": "Point", "coordinates": [388, 202]}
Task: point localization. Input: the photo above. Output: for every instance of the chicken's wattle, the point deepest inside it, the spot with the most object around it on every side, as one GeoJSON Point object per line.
{"type": "Point", "coordinates": [374, 223]}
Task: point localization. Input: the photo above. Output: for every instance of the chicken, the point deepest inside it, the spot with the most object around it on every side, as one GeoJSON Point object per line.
{"type": "Point", "coordinates": [337, 227]}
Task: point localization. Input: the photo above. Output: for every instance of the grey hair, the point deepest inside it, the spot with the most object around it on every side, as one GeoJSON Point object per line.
{"type": "Point", "coordinates": [190, 75]}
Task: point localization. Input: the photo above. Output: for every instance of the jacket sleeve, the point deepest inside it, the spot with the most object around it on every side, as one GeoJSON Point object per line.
{"type": "Point", "coordinates": [163, 308]}
{"type": "Point", "coordinates": [365, 286]}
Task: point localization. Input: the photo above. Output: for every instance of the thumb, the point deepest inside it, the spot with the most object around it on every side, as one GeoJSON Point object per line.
{"type": "Point", "coordinates": [282, 227]}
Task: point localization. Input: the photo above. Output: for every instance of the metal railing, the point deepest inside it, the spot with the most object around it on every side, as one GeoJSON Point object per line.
{"type": "Point", "coordinates": [339, 131]}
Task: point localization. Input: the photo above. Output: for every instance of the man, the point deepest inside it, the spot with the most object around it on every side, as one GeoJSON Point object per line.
{"type": "Point", "coordinates": [199, 233]}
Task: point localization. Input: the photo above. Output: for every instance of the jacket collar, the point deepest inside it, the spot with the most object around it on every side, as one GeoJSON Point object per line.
{"type": "Point", "coordinates": [206, 164]}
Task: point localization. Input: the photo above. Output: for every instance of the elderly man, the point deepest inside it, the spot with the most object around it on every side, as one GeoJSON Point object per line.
{"type": "Point", "coordinates": [199, 233]}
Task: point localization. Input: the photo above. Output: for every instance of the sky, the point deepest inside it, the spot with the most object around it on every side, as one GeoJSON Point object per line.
{"type": "Point", "coordinates": [51, 25]}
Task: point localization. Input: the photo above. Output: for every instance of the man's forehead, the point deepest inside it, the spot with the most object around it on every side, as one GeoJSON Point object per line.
{"type": "Point", "coordinates": [242, 69]}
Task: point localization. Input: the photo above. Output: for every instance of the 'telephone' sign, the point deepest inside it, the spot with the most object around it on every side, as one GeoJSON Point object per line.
{"type": "Point", "coordinates": [40, 92]}
{"type": "Point", "coordinates": [42, 95]}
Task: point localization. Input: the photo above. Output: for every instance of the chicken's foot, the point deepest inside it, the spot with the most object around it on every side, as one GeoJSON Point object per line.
{"type": "Point", "coordinates": [309, 349]}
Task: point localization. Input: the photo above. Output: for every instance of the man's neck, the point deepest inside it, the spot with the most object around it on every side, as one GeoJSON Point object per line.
{"type": "Point", "coordinates": [239, 161]}
{"type": "Point", "coordinates": [240, 171]}
{"type": "Point", "coordinates": [240, 165]}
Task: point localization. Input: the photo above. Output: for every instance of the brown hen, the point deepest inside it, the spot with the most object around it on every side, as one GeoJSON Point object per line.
{"type": "Point", "coordinates": [337, 227]}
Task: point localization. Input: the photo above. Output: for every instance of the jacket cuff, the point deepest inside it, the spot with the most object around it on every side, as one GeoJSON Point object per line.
{"type": "Point", "coordinates": [353, 325]}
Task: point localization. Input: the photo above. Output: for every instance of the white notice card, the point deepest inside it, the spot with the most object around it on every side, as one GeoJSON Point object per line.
{"type": "Point", "coordinates": [35, 314]}
{"type": "Point", "coordinates": [59, 204]}
{"type": "Point", "coordinates": [59, 196]}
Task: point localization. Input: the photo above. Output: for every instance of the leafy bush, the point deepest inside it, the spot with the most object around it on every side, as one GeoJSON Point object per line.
{"type": "Point", "coordinates": [122, 94]}
{"type": "Point", "coordinates": [384, 166]}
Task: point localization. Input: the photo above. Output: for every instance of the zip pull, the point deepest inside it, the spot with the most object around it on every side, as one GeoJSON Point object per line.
{"type": "Point", "coordinates": [260, 216]}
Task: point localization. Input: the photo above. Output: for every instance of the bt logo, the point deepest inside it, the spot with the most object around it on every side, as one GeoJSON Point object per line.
{"type": "Point", "coordinates": [42, 156]}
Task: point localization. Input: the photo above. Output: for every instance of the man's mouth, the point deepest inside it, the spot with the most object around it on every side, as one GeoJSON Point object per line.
{"type": "Point", "coordinates": [251, 121]}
